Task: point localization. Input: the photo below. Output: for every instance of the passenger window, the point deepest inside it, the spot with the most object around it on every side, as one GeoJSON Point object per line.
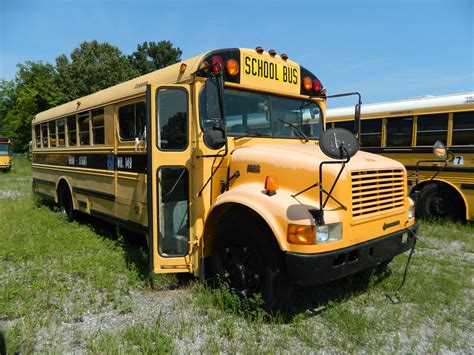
{"type": "Point", "coordinates": [431, 128]}
{"type": "Point", "coordinates": [84, 129]}
{"type": "Point", "coordinates": [172, 116]}
{"type": "Point", "coordinates": [52, 133]}
{"type": "Point", "coordinates": [463, 128]}
{"type": "Point", "coordinates": [61, 132]}
{"type": "Point", "coordinates": [44, 135]}
{"type": "Point", "coordinates": [132, 121]}
{"type": "Point", "coordinates": [173, 217]}
{"type": "Point", "coordinates": [98, 126]}
{"type": "Point", "coordinates": [371, 133]}
{"type": "Point", "coordinates": [399, 131]}
{"type": "Point", "coordinates": [349, 125]}
{"type": "Point", "coordinates": [72, 130]}
{"type": "Point", "coordinates": [37, 136]}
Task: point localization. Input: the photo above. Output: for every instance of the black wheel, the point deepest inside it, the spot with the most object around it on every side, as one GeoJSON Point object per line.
{"type": "Point", "coordinates": [65, 203]}
{"type": "Point", "coordinates": [439, 202]}
{"type": "Point", "coordinates": [245, 257]}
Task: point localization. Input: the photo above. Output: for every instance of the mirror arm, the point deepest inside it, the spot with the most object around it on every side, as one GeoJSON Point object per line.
{"type": "Point", "coordinates": [357, 110]}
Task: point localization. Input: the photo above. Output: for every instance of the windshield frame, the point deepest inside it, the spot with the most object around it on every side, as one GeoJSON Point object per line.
{"type": "Point", "coordinates": [272, 118]}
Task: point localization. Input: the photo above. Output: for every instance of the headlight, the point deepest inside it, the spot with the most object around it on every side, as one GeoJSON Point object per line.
{"type": "Point", "coordinates": [411, 208]}
{"type": "Point", "coordinates": [328, 233]}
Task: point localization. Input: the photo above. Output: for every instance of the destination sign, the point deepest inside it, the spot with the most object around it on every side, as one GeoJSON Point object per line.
{"type": "Point", "coordinates": [264, 69]}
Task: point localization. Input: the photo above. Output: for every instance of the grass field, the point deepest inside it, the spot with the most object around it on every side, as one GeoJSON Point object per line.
{"type": "Point", "coordinates": [84, 287]}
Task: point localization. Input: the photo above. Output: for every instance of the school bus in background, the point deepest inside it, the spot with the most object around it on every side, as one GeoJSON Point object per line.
{"type": "Point", "coordinates": [5, 154]}
{"type": "Point", "coordinates": [215, 159]}
{"type": "Point", "coordinates": [406, 131]}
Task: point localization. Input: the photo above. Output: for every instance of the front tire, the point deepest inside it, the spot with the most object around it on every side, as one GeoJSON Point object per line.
{"type": "Point", "coordinates": [247, 259]}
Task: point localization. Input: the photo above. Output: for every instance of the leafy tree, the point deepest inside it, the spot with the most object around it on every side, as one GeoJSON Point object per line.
{"type": "Point", "coordinates": [151, 56]}
{"type": "Point", "coordinates": [92, 67]}
{"type": "Point", "coordinates": [33, 90]}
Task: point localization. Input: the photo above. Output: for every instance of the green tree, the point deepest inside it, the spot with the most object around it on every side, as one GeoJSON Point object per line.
{"type": "Point", "coordinates": [151, 56]}
{"type": "Point", "coordinates": [92, 67]}
{"type": "Point", "coordinates": [33, 90]}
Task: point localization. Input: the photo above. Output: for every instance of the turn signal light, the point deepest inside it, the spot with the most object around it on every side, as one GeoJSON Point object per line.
{"type": "Point", "coordinates": [271, 185]}
{"type": "Point", "coordinates": [302, 235]}
{"type": "Point", "coordinates": [232, 67]}
{"type": "Point", "coordinates": [217, 64]}
{"type": "Point", "coordinates": [307, 83]}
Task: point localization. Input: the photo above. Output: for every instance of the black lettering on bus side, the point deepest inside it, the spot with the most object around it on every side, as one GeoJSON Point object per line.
{"type": "Point", "coordinates": [254, 72]}
{"type": "Point", "coordinates": [247, 65]}
{"type": "Point", "coordinates": [265, 70]}
{"type": "Point", "coordinates": [295, 76]}
{"type": "Point", "coordinates": [260, 68]}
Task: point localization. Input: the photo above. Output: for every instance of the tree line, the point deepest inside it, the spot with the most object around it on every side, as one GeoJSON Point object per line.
{"type": "Point", "coordinates": [91, 67]}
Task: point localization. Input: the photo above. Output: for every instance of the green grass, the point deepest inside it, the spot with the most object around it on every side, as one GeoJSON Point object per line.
{"type": "Point", "coordinates": [67, 287]}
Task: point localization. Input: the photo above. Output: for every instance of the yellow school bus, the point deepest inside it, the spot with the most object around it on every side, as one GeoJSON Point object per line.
{"type": "Point", "coordinates": [406, 131]}
{"type": "Point", "coordinates": [220, 161]}
{"type": "Point", "coordinates": [5, 154]}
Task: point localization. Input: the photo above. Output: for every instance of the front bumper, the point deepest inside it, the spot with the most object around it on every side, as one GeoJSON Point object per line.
{"type": "Point", "coordinates": [313, 269]}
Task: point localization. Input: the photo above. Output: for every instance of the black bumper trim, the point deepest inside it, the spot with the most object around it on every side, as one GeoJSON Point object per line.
{"type": "Point", "coordinates": [314, 269]}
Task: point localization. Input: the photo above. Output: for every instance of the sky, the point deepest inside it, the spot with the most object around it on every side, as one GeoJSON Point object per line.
{"type": "Point", "coordinates": [385, 49]}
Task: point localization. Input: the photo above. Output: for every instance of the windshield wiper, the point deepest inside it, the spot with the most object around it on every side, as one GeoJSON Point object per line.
{"type": "Point", "coordinates": [296, 129]}
{"type": "Point", "coordinates": [252, 134]}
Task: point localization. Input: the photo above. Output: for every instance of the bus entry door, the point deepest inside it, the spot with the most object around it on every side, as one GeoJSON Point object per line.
{"type": "Point", "coordinates": [169, 178]}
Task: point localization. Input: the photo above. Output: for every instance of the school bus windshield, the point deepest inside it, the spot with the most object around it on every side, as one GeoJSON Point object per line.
{"type": "Point", "coordinates": [267, 115]}
{"type": "Point", "coordinates": [4, 149]}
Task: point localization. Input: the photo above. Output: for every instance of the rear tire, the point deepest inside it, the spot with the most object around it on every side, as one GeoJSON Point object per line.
{"type": "Point", "coordinates": [247, 259]}
{"type": "Point", "coordinates": [65, 203]}
{"type": "Point", "coordinates": [439, 202]}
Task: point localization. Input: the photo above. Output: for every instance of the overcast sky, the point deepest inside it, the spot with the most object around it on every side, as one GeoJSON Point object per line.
{"type": "Point", "coordinates": [387, 50]}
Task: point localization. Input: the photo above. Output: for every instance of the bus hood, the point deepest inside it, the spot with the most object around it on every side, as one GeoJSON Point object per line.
{"type": "Point", "coordinates": [297, 166]}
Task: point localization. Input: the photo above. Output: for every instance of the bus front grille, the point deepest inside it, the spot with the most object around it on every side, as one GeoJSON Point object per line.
{"type": "Point", "coordinates": [377, 192]}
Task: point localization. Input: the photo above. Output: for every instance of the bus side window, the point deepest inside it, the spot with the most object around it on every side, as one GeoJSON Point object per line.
{"type": "Point", "coordinates": [44, 135]}
{"type": "Point", "coordinates": [399, 131]}
{"type": "Point", "coordinates": [172, 116]}
{"type": "Point", "coordinates": [61, 132]}
{"type": "Point", "coordinates": [432, 128]}
{"type": "Point", "coordinates": [84, 129]}
{"type": "Point", "coordinates": [371, 133]}
{"type": "Point", "coordinates": [52, 134]}
{"type": "Point", "coordinates": [463, 128]}
{"type": "Point", "coordinates": [132, 121]}
{"type": "Point", "coordinates": [349, 125]}
{"type": "Point", "coordinates": [98, 126]}
{"type": "Point", "coordinates": [72, 131]}
{"type": "Point", "coordinates": [37, 136]}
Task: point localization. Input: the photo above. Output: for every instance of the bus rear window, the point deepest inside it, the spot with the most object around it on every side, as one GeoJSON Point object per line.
{"type": "Point", "coordinates": [463, 128]}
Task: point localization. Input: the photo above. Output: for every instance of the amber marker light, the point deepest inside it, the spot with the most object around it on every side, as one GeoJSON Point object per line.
{"type": "Point", "coordinates": [271, 185]}
{"type": "Point", "coordinates": [259, 50]}
{"type": "Point", "coordinates": [232, 67]}
{"type": "Point", "coordinates": [283, 56]}
{"type": "Point", "coordinates": [272, 52]}
{"type": "Point", "coordinates": [182, 68]}
{"type": "Point", "coordinates": [307, 83]}
{"type": "Point", "coordinates": [302, 235]}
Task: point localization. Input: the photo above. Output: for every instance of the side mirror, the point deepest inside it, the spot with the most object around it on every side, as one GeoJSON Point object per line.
{"type": "Point", "coordinates": [214, 137]}
{"type": "Point", "coordinates": [213, 105]}
{"type": "Point", "coordinates": [338, 143]}
{"type": "Point", "coordinates": [440, 151]}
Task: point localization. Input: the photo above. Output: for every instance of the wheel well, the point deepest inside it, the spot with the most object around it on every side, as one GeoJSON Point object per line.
{"type": "Point", "coordinates": [224, 214]}
{"type": "Point", "coordinates": [452, 190]}
{"type": "Point", "coordinates": [63, 184]}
